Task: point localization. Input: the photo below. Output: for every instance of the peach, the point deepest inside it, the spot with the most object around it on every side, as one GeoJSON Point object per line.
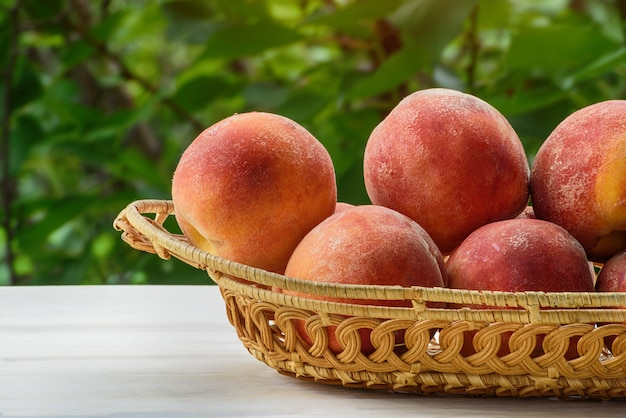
{"type": "Point", "coordinates": [519, 255]}
{"type": "Point", "coordinates": [251, 186]}
{"type": "Point", "coordinates": [342, 205]}
{"type": "Point", "coordinates": [366, 244]}
{"type": "Point", "coordinates": [578, 179]}
{"type": "Point", "coordinates": [527, 213]}
{"type": "Point", "coordinates": [448, 160]}
{"type": "Point", "coordinates": [612, 278]}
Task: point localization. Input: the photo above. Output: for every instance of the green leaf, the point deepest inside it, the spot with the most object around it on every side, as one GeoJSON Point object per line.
{"type": "Point", "coordinates": [401, 66]}
{"type": "Point", "coordinates": [102, 245]}
{"type": "Point", "coordinates": [432, 23]}
{"type": "Point", "coordinates": [7, 4]}
{"type": "Point", "coordinates": [106, 28]}
{"type": "Point", "coordinates": [25, 135]}
{"type": "Point", "coordinates": [57, 213]}
{"type": "Point", "coordinates": [553, 49]}
{"type": "Point", "coordinates": [199, 92]}
{"type": "Point", "coordinates": [187, 10]}
{"type": "Point", "coordinates": [243, 10]}
{"type": "Point", "coordinates": [608, 17]}
{"type": "Point", "coordinates": [265, 96]}
{"type": "Point", "coordinates": [77, 115]}
{"type": "Point", "coordinates": [350, 185]}
{"type": "Point", "coordinates": [236, 40]}
{"type": "Point", "coordinates": [493, 14]}
{"type": "Point", "coordinates": [41, 40]}
{"type": "Point", "coordinates": [303, 104]}
{"type": "Point", "coordinates": [27, 85]}
{"type": "Point", "coordinates": [189, 20]}
{"type": "Point", "coordinates": [133, 166]}
{"type": "Point", "coordinates": [115, 125]}
{"type": "Point", "coordinates": [599, 66]}
{"type": "Point", "coordinates": [526, 100]}
{"type": "Point", "coordinates": [43, 10]}
{"type": "Point", "coordinates": [143, 27]}
{"type": "Point", "coordinates": [5, 41]}
{"type": "Point", "coordinates": [76, 52]}
{"type": "Point", "coordinates": [345, 134]}
{"type": "Point", "coordinates": [354, 13]}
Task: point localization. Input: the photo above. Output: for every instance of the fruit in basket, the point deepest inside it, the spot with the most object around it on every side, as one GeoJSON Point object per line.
{"type": "Point", "coordinates": [527, 213]}
{"type": "Point", "coordinates": [612, 278]}
{"type": "Point", "coordinates": [519, 255]}
{"type": "Point", "coordinates": [449, 161]}
{"type": "Point", "coordinates": [342, 205]}
{"type": "Point", "coordinates": [251, 186]}
{"type": "Point", "coordinates": [367, 245]}
{"type": "Point", "coordinates": [578, 179]}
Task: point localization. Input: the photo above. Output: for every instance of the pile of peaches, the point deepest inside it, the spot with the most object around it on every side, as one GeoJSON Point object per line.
{"type": "Point", "coordinates": [454, 201]}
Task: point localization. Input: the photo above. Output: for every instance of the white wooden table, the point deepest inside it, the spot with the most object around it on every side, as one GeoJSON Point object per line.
{"type": "Point", "coordinates": [168, 351]}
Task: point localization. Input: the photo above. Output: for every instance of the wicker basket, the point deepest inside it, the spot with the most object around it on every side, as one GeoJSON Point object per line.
{"type": "Point", "coordinates": [264, 321]}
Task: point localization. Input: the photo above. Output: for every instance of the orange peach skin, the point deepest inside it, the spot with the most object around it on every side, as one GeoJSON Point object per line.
{"type": "Point", "coordinates": [370, 245]}
{"type": "Point", "coordinates": [449, 161]}
{"type": "Point", "coordinates": [520, 255]}
{"type": "Point", "coordinates": [578, 179]}
{"type": "Point", "coordinates": [250, 187]}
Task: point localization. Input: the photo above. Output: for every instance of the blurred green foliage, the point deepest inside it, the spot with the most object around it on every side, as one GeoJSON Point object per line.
{"type": "Point", "coordinates": [100, 98]}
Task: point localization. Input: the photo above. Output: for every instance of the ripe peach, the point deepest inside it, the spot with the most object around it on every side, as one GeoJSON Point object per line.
{"type": "Point", "coordinates": [612, 278]}
{"type": "Point", "coordinates": [342, 205]}
{"type": "Point", "coordinates": [578, 179]}
{"type": "Point", "coordinates": [251, 186]}
{"type": "Point", "coordinates": [366, 244]}
{"type": "Point", "coordinates": [449, 161]}
{"type": "Point", "coordinates": [527, 213]}
{"type": "Point", "coordinates": [519, 255]}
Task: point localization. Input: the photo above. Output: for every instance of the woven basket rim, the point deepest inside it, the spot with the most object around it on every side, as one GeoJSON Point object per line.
{"type": "Point", "coordinates": [583, 305]}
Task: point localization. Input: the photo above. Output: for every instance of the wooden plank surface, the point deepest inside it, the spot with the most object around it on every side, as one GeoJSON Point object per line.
{"type": "Point", "coordinates": [168, 351]}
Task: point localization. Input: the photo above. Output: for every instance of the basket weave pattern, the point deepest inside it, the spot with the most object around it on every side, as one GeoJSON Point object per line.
{"type": "Point", "coordinates": [429, 360]}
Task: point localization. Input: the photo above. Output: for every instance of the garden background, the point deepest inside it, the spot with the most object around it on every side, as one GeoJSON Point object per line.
{"type": "Point", "coordinates": [98, 99]}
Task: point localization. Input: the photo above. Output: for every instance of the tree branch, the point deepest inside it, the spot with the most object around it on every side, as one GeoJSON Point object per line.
{"type": "Point", "coordinates": [129, 75]}
{"type": "Point", "coordinates": [473, 47]}
{"type": "Point", "coordinates": [7, 183]}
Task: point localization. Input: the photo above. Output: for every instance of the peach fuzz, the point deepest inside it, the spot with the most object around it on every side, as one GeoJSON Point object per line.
{"type": "Point", "coordinates": [448, 160]}
{"type": "Point", "coordinates": [578, 179]}
{"type": "Point", "coordinates": [519, 255]}
{"type": "Point", "coordinates": [251, 186]}
{"type": "Point", "coordinates": [366, 244]}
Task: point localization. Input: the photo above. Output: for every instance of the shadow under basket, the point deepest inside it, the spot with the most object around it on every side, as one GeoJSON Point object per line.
{"type": "Point", "coordinates": [525, 344]}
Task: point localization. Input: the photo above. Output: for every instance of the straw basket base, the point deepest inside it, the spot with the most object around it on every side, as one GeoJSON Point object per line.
{"type": "Point", "coordinates": [456, 384]}
{"type": "Point", "coordinates": [266, 343]}
{"type": "Point", "coordinates": [416, 349]}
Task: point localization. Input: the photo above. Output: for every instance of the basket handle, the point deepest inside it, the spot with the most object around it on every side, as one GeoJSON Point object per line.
{"type": "Point", "coordinates": [149, 235]}
{"type": "Point", "coordinates": [138, 230]}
